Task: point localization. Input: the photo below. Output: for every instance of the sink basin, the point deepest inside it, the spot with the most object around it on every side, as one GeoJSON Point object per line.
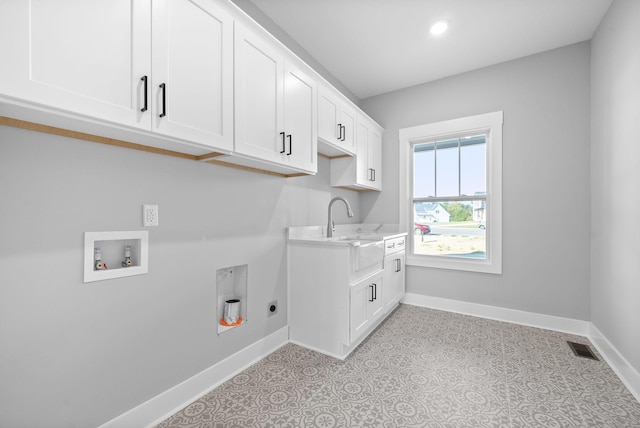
{"type": "Point", "coordinates": [369, 253]}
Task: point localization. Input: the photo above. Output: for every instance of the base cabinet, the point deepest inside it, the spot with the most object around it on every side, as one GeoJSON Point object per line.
{"type": "Point", "coordinates": [394, 279]}
{"type": "Point", "coordinates": [332, 307]}
{"type": "Point", "coordinates": [366, 305]}
{"type": "Point", "coordinates": [394, 276]}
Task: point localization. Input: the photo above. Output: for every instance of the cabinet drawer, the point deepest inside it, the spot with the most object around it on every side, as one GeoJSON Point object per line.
{"type": "Point", "coordinates": [394, 245]}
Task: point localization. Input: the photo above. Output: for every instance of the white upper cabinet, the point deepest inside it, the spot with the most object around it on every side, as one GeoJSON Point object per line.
{"type": "Point", "coordinates": [274, 107]}
{"type": "Point", "coordinates": [94, 58]}
{"type": "Point", "coordinates": [258, 100]}
{"type": "Point", "coordinates": [364, 175]}
{"type": "Point", "coordinates": [190, 78]}
{"type": "Point", "coordinates": [364, 172]}
{"type": "Point", "coordinates": [300, 119]}
{"type": "Point", "coordinates": [369, 155]}
{"type": "Point", "coordinates": [84, 57]}
{"type": "Point", "coordinates": [336, 124]}
{"type": "Point", "coordinates": [375, 157]}
{"type": "Point", "coordinates": [191, 88]}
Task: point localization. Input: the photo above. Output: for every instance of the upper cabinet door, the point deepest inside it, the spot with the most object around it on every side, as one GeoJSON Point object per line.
{"type": "Point", "coordinates": [193, 61]}
{"type": "Point", "coordinates": [328, 108]}
{"type": "Point", "coordinates": [300, 119]}
{"type": "Point", "coordinates": [87, 57]}
{"type": "Point", "coordinates": [363, 172]}
{"type": "Point", "coordinates": [336, 124]}
{"type": "Point", "coordinates": [347, 119]}
{"type": "Point", "coordinates": [369, 156]}
{"type": "Point", "coordinates": [259, 70]}
{"type": "Point", "coordinates": [375, 158]}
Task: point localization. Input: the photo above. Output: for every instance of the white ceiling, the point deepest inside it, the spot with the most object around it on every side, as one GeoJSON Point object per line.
{"type": "Point", "coordinates": [377, 46]}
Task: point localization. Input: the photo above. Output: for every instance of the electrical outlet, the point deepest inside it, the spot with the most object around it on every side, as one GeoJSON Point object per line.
{"type": "Point", "coordinates": [149, 215]}
{"type": "Point", "coordinates": [272, 308]}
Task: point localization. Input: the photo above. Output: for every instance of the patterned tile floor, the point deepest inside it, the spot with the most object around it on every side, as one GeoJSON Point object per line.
{"type": "Point", "coordinates": [424, 368]}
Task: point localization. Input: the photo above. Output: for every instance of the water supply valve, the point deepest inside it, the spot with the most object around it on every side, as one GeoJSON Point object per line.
{"type": "Point", "coordinates": [127, 257]}
{"type": "Point", "coordinates": [98, 264]}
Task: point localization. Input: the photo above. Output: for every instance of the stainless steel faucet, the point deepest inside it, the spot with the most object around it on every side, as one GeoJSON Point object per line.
{"type": "Point", "coordinates": [330, 224]}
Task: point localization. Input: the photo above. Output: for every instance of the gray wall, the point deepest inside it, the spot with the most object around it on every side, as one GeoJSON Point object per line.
{"type": "Point", "coordinates": [545, 99]}
{"type": "Point", "coordinates": [615, 178]}
{"type": "Point", "coordinates": [77, 355]}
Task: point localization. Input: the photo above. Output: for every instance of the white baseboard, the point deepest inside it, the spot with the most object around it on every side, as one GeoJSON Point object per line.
{"type": "Point", "coordinates": [160, 407]}
{"type": "Point", "coordinates": [549, 322]}
{"type": "Point", "coordinates": [313, 348]}
{"type": "Point", "coordinates": [625, 371]}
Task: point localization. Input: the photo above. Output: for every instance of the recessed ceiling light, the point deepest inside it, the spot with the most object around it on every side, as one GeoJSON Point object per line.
{"type": "Point", "coordinates": [439, 28]}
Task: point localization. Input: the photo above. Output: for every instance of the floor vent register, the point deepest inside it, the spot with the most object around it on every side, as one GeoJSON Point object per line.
{"type": "Point", "coordinates": [581, 350]}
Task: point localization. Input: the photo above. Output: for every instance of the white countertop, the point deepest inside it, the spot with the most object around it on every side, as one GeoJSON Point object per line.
{"type": "Point", "coordinates": [344, 234]}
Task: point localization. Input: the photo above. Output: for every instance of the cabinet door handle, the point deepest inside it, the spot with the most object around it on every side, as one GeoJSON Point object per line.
{"type": "Point", "coordinates": [372, 298]}
{"type": "Point", "coordinates": [398, 265]}
{"type": "Point", "coordinates": [374, 174]}
{"type": "Point", "coordinates": [339, 132]}
{"type": "Point", "coordinates": [163, 87]}
{"type": "Point", "coordinates": [290, 148]}
{"type": "Point", "coordinates": [283, 143]}
{"type": "Point", "coordinates": [343, 132]}
{"type": "Point", "coordinates": [375, 291]}
{"type": "Point", "coordinates": [145, 79]}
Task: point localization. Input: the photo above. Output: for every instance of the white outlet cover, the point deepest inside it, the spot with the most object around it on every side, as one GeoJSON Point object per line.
{"type": "Point", "coordinates": [149, 215]}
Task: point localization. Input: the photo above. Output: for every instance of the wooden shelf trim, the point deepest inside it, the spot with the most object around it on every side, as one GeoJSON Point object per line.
{"type": "Point", "coordinates": [208, 158]}
{"type": "Point", "coordinates": [89, 137]}
{"type": "Point", "coordinates": [334, 157]}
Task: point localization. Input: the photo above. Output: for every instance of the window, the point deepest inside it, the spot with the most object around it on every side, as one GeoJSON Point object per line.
{"type": "Point", "coordinates": [451, 193]}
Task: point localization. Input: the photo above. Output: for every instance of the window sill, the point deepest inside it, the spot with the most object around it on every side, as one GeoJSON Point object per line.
{"type": "Point", "coordinates": [469, 265]}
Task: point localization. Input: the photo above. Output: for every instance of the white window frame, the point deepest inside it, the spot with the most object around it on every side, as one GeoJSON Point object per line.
{"type": "Point", "coordinates": [489, 123]}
